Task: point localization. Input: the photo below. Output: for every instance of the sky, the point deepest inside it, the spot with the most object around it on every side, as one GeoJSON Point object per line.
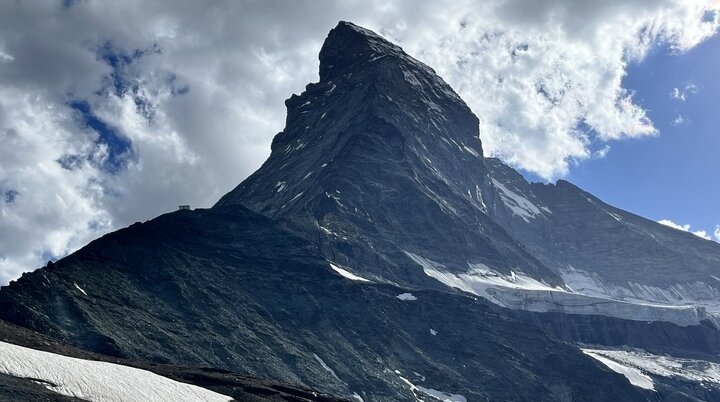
{"type": "Point", "coordinates": [115, 112]}
{"type": "Point", "coordinates": [672, 176]}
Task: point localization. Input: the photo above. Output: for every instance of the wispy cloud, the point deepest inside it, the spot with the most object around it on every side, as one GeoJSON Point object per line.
{"type": "Point", "coordinates": [602, 152]}
{"type": "Point", "coordinates": [680, 120]}
{"type": "Point", "coordinates": [683, 93]}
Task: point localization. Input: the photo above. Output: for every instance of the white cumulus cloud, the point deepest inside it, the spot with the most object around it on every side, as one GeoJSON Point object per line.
{"type": "Point", "coordinates": [113, 112]}
{"type": "Point", "coordinates": [686, 228]}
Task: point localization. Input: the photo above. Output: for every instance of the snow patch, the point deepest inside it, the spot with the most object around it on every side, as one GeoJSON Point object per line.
{"type": "Point", "coordinates": [406, 296]}
{"type": "Point", "coordinates": [433, 332]}
{"type": "Point", "coordinates": [518, 204]}
{"type": "Point", "coordinates": [79, 288]}
{"type": "Point", "coordinates": [471, 151]}
{"type": "Point", "coordinates": [94, 380]}
{"type": "Point", "coordinates": [479, 278]}
{"type": "Point", "coordinates": [635, 376]}
{"type": "Point", "coordinates": [648, 364]}
{"type": "Point", "coordinates": [280, 186]}
{"type": "Point", "coordinates": [519, 291]}
{"type": "Point", "coordinates": [433, 393]}
{"type": "Point", "coordinates": [296, 197]}
{"type": "Point", "coordinates": [326, 367]}
{"type": "Point", "coordinates": [347, 274]}
{"type": "Point", "coordinates": [673, 295]}
{"type": "Point", "coordinates": [376, 57]}
{"type": "Point", "coordinates": [478, 195]}
{"type": "Point", "coordinates": [326, 230]}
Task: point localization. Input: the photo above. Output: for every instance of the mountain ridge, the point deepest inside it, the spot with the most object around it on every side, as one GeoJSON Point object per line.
{"type": "Point", "coordinates": [639, 259]}
{"type": "Point", "coordinates": [228, 288]}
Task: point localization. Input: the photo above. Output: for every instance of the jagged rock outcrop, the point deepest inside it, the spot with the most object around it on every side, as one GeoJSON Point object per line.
{"type": "Point", "coordinates": [378, 159]}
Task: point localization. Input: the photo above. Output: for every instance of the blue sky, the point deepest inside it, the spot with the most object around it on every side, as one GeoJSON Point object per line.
{"type": "Point", "coordinates": [673, 175]}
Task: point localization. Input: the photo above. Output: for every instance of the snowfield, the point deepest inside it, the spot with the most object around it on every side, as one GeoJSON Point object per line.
{"type": "Point", "coordinates": [479, 278]}
{"type": "Point", "coordinates": [433, 393]}
{"type": "Point", "coordinates": [325, 366]}
{"type": "Point", "coordinates": [97, 381]}
{"type": "Point", "coordinates": [520, 291]}
{"type": "Point", "coordinates": [634, 375]}
{"type": "Point", "coordinates": [347, 274]}
{"type": "Point", "coordinates": [639, 366]}
{"type": "Point", "coordinates": [518, 204]}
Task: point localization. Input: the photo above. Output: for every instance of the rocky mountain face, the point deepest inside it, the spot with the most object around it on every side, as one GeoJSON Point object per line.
{"type": "Point", "coordinates": [378, 255]}
{"type": "Point", "coordinates": [229, 289]}
{"type": "Point", "coordinates": [381, 164]}
{"type": "Point", "coordinates": [604, 251]}
{"type": "Point", "coordinates": [380, 161]}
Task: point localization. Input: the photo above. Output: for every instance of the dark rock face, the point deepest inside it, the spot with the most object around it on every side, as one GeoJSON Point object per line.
{"type": "Point", "coordinates": [14, 389]}
{"type": "Point", "coordinates": [602, 250]}
{"type": "Point", "coordinates": [657, 337]}
{"type": "Point", "coordinates": [380, 164]}
{"type": "Point", "coordinates": [378, 158]}
{"type": "Point", "coordinates": [227, 288]}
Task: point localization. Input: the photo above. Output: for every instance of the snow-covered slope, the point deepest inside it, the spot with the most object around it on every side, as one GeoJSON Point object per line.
{"type": "Point", "coordinates": [95, 380]}
{"type": "Point", "coordinates": [520, 291]}
{"type": "Point", "coordinates": [647, 370]}
{"type": "Point", "coordinates": [633, 374]}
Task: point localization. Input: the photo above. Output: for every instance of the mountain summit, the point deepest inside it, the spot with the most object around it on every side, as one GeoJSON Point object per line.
{"type": "Point", "coordinates": [383, 162]}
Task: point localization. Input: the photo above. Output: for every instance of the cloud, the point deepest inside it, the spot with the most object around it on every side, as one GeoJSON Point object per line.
{"type": "Point", "coordinates": [685, 92]}
{"type": "Point", "coordinates": [114, 112]}
{"type": "Point", "coordinates": [602, 152]}
{"type": "Point", "coordinates": [680, 120]}
{"type": "Point", "coordinates": [686, 228]}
